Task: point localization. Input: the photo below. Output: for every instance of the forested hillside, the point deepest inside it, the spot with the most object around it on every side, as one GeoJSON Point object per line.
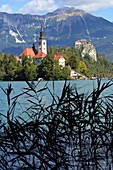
{"type": "Point", "coordinates": [85, 65]}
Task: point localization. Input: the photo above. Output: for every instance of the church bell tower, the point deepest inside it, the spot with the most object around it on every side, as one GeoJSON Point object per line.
{"type": "Point", "coordinates": [42, 43]}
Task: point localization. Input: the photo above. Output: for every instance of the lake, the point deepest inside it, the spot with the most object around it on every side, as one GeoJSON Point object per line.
{"type": "Point", "coordinates": [83, 86]}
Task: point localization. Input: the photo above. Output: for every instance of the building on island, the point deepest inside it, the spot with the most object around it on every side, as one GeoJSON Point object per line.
{"type": "Point", "coordinates": [88, 48]}
{"type": "Point", "coordinates": [82, 42]}
{"type": "Point", "coordinates": [42, 43]}
{"type": "Point", "coordinates": [39, 57]}
{"type": "Point", "coordinates": [28, 52]}
{"type": "Point", "coordinates": [60, 59]}
{"type": "Point", "coordinates": [41, 52]}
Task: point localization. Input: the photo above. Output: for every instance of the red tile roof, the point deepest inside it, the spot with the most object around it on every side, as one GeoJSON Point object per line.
{"type": "Point", "coordinates": [28, 52]}
{"type": "Point", "coordinates": [40, 55]}
{"type": "Point", "coordinates": [57, 57]}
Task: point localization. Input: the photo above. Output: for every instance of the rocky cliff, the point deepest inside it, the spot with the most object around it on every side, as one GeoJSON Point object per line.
{"type": "Point", "coordinates": [89, 49]}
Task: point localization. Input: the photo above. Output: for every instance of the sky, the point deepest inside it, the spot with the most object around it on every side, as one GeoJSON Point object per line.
{"type": "Point", "coordinates": [100, 8]}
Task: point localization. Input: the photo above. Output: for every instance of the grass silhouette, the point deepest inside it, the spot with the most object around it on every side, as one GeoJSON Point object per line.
{"type": "Point", "coordinates": [74, 132]}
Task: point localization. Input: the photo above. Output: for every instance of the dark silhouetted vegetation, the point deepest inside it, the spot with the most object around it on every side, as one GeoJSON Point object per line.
{"type": "Point", "coordinates": [74, 131]}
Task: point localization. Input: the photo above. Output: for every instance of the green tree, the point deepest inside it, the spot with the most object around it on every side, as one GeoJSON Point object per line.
{"type": "Point", "coordinates": [9, 64]}
{"type": "Point", "coordinates": [73, 62]}
{"type": "Point", "coordinates": [82, 67]}
{"type": "Point", "coordinates": [2, 69]}
{"type": "Point", "coordinates": [66, 73]}
{"type": "Point", "coordinates": [28, 69]}
{"type": "Point", "coordinates": [49, 69]}
{"type": "Point", "coordinates": [46, 68]}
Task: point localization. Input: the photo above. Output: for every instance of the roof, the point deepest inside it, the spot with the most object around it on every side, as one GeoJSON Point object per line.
{"type": "Point", "coordinates": [57, 57]}
{"type": "Point", "coordinates": [28, 52]}
{"type": "Point", "coordinates": [40, 55]}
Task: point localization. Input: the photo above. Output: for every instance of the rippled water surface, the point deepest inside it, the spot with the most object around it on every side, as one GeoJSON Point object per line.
{"type": "Point", "coordinates": [83, 86]}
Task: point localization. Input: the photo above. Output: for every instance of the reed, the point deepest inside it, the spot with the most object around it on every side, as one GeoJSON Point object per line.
{"type": "Point", "coordinates": [75, 131]}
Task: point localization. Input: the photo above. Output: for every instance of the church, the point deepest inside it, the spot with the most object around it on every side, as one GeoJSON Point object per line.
{"type": "Point", "coordinates": [38, 53]}
{"type": "Point", "coordinates": [41, 51]}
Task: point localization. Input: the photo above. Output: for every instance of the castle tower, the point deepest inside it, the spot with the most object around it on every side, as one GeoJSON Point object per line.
{"type": "Point", "coordinates": [42, 43]}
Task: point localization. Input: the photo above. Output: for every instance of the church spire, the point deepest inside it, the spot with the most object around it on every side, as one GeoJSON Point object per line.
{"type": "Point", "coordinates": [42, 43]}
{"type": "Point", "coordinates": [42, 33]}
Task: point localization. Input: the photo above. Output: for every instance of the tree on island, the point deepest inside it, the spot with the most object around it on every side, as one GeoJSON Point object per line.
{"type": "Point", "coordinates": [50, 69]}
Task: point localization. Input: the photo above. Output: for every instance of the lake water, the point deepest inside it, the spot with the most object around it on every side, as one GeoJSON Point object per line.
{"type": "Point", "coordinates": [83, 86]}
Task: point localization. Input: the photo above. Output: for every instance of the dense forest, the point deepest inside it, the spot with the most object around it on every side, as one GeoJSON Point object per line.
{"type": "Point", "coordinates": [49, 69]}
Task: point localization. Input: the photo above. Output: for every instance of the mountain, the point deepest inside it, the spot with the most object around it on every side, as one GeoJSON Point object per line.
{"type": "Point", "coordinates": [62, 28]}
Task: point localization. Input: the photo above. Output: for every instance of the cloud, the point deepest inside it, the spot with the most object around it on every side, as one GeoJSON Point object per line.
{"type": "Point", "coordinates": [44, 6]}
{"type": "Point", "coordinates": [6, 8]}
{"type": "Point", "coordinates": [88, 5]}
{"type": "Point", "coordinates": [38, 7]}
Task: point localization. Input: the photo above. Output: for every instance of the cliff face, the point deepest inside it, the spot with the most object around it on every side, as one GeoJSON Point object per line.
{"type": "Point", "coordinates": [62, 28]}
{"type": "Point", "coordinates": [89, 49]}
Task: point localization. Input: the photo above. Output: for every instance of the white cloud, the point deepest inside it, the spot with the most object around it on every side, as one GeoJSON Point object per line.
{"type": "Point", "coordinates": [6, 8]}
{"type": "Point", "coordinates": [38, 7]}
{"type": "Point", "coordinates": [44, 6]}
{"type": "Point", "coordinates": [88, 5]}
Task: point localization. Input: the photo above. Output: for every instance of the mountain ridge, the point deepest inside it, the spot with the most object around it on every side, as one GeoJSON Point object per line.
{"type": "Point", "coordinates": [62, 27]}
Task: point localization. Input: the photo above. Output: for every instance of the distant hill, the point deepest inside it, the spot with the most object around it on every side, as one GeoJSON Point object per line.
{"type": "Point", "coordinates": [62, 28]}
